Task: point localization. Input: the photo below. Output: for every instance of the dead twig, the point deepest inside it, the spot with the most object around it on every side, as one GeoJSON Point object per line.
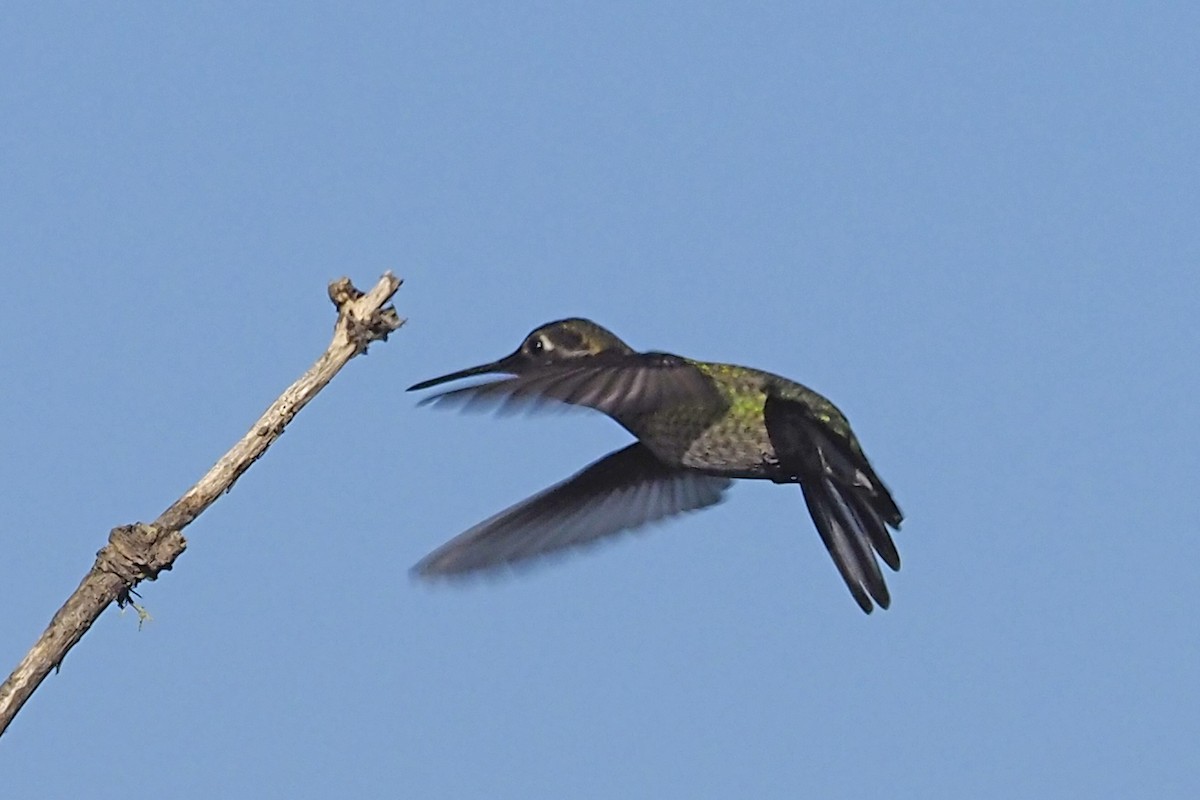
{"type": "Point", "coordinates": [139, 552]}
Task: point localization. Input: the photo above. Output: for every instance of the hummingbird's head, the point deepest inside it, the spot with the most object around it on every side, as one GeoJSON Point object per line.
{"type": "Point", "coordinates": [567, 339]}
{"type": "Point", "coordinates": [553, 342]}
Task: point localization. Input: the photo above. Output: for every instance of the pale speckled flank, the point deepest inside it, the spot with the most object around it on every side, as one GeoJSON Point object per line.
{"type": "Point", "coordinates": [728, 439]}
{"type": "Point", "coordinates": [731, 439]}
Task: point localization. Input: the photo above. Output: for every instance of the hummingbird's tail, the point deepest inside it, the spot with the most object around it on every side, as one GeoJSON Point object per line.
{"type": "Point", "coordinates": [850, 506]}
{"type": "Point", "coordinates": [852, 532]}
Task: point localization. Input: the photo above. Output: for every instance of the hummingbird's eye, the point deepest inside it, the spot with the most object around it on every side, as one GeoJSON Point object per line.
{"type": "Point", "coordinates": [539, 345]}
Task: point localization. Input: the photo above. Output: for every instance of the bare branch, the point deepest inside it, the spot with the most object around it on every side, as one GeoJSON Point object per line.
{"type": "Point", "coordinates": [140, 551]}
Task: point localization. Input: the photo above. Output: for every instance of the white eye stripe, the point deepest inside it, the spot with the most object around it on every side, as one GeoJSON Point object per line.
{"type": "Point", "coordinates": [547, 345]}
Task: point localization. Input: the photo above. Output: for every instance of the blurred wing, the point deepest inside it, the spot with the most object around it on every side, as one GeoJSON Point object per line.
{"type": "Point", "coordinates": [850, 506]}
{"type": "Point", "coordinates": [620, 492]}
{"type": "Point", "coordinates": [612, 383]}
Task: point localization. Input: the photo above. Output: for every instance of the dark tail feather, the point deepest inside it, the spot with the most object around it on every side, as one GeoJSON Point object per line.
{"type": "Point", "coordinates": [849, 540]}
{"type": "Point", "coordinates": [871, 520]}
{"type": "Point", "coordinates": [882, 502]}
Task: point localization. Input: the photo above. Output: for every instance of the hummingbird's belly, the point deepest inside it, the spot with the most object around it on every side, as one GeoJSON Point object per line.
{"type": "Point", "coordinates": [736, 453]}
{"type": "Point", "coordinates": [731, 447]}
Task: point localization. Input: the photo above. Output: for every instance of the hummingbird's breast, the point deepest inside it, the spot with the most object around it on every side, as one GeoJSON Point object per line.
{"type": "Point", "coordinates": [728, 438]}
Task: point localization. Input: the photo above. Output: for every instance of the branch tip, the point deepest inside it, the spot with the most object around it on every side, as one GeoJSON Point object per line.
{"type": "Point", "coordinates": [362, 315]}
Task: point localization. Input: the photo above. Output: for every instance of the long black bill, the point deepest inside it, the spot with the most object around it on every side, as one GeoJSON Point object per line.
{"type": "Point", "coordinates": [507, 365]}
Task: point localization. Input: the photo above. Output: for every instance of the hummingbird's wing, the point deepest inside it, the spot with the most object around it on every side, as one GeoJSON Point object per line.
{"type": "Point", "coordinates": [620, 492]}
{"type": "Point", "coordinates": [613, 383]}
{"type": "Point", "coordinates": [850, 506]}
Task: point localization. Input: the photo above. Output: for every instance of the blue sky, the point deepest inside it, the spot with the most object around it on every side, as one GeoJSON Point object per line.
{"type": "Point", "coordinates": [974, 228]}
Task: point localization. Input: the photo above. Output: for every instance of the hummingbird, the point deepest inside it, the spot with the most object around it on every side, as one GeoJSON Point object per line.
{"type": "Point", "coordinates": [699, 425]}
